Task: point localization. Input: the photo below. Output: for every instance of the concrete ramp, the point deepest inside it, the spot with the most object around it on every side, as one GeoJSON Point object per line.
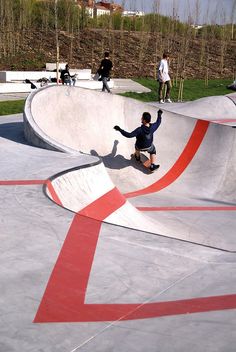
{"type": "Point", "coordinates": [220, 109]}
{"type": "Point", "coordinates": [191, 197]}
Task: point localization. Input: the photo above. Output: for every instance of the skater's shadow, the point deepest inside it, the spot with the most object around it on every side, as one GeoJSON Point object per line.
{"type": "Point", "coordinates": [13, 131]}
{"type": "Point", "coordinates": [117, 161]}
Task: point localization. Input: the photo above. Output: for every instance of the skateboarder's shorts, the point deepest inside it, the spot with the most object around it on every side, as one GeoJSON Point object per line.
{"type": "Point", "coordinates": [150, 150]}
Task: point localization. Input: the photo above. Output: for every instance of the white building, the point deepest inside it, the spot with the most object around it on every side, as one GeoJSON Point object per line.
{"type": "Point", "coordinates": [89, 11]}
{"type": "Point", "coordinates": [101, 10]}
{"type": "Point", "coordinates": [133, 13]}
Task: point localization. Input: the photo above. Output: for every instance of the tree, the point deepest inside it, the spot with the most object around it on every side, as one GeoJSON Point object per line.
{"type": "Point", "coordinates": [57, 39]}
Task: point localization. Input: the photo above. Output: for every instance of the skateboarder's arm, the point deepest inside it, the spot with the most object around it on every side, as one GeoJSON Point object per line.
{"type": "Point", "coordinates": [156, 124]}
{"type": "Point", "coordinates": [124, 133]}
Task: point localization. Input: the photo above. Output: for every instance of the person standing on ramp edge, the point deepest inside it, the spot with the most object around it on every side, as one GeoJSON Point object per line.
{"type": "Point", "coordinates": [164, 79]}
{"type": "Point", "coordinates": [144, 137]}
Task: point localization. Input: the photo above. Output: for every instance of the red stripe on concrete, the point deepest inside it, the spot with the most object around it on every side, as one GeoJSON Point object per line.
{"type": "Point", "coordinates": [181, 164]}
{"type": "Point", "coordinates": [53, 193]}
{"type": "Point", "coordinates": [22, 182]}
{"type": "Point", "coordinates": [65, 292]}
{"type": "Point", "coordinates": [198, 208]}
{"type": "Point", "coordinates": [105, 205]}
{"type": "Point", "coordinates": [67, 285]}
{"type": "Point", "coordinates": [64, 297]}
{"type": "Point", "coordinates": [119, 312]}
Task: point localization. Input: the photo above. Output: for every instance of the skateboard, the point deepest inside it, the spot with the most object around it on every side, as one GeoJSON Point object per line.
{"type": "Point", "coordinates": [144, 161]}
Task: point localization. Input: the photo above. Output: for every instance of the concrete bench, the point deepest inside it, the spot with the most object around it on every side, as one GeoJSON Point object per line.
{"type": "Point", "coordinates": [51, 66]}
{"type": "Point", "coordinates": [81, 73]}
{"type": "Point", "coordinates": [10, 76]}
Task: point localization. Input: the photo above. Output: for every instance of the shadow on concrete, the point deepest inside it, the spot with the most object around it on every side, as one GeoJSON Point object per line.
{"type": "Point", "coordinates": [215, 201]}
{"type": "Point", "coordinates": [118, 161]}
{"type": "Point", "coordinates": [14, 131]}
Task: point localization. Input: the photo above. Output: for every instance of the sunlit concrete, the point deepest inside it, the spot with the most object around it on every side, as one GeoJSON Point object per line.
{"type": "Point", "coordinates": [97, 254]}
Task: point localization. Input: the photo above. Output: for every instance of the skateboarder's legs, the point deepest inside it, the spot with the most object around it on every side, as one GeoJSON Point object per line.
{"type": "Point", "coordinates": [151, 150]}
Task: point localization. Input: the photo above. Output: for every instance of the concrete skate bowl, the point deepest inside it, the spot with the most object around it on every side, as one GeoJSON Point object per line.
{"type": "Point", "coordinates": [191, 197]}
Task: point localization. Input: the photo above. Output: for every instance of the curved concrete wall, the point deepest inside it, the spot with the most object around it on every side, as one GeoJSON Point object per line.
{"type": "Point", "coordinates": [75, 120]}
{"type": "Point", "coordinates": [197, 159]}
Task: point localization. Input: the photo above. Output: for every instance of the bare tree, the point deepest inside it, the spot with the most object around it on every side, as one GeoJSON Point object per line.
{"type": "Point", "coordinates": [157, 34]}
{"type": "Point", "coordinates": [122, 29]}
{"type": "Point", "coordinates": [57, 38]}
{"type": "Point", "coordinates": [233, 15]}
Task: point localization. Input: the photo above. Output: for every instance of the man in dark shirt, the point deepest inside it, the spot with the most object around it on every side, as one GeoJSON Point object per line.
{"type": "Point", "coordinates": [104, 70]}
{"type": "Point", "coordinates": [144, 137]}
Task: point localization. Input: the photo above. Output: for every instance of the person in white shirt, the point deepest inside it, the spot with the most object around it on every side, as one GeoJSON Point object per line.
{"type": "Point", "coordinates": [164, 79]}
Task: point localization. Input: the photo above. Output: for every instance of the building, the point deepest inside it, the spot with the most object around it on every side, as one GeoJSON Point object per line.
{"type": "Point", "coordinates": [99, 8]}
{"type": "Point", "coordinates": [133, 13]}
{"type": "Point", "coordinates": [112, 7]}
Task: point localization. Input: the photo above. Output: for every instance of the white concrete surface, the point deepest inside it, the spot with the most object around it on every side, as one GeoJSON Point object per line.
{"type": "Point", "coordinates": [79, 188]}
{"type": "Point", "coordinates": [15, 88]}
{"type": "Point", "coordinates": [118, 85]}
{"type": "Point", "coordinates": [122, 85]}
{"type": "Point", "coordinates": [78, 281]}
{"type": "Point", "coordinates": [13, 96]}
{"type": "Point", "coordinates": [26, 88]}
{"type": "Point", "coordinates": [220, 109]}
{"type": "Point", "coordinates": [91, 84]}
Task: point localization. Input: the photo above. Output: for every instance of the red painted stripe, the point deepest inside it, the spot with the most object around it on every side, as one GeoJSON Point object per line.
{"type": "Point", "coordinates": [114, 312]}
{"type": "Point", "coordinates": [105, 205]}
{"type": "Point", "coordinates": [53, 193]}
{"type": "Point", "coordinates": [67, 285]}
{"type": "Point", "coordinates": [181, 208]}
{"type": "Point", "coordinates": [68, 282]}
{"type": "Point", "coordinates": [22, 182]}
{"type": "Point", "coordinates": [180, 165]}
{"type": "Point", "coordinates": [64, 297]}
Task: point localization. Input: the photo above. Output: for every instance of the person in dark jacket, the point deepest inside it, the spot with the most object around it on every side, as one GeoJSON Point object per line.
{"type": "Point", "coordinates": [144, 137]}
{"type": "Point", "coordinates": [66, 77]}
{"type": "Point", "coordinates": [104, 70]}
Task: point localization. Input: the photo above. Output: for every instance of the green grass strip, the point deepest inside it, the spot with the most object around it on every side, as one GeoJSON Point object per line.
{"type": "Point", "coordinates": [192, 89]}
{"type": "Point", "coordinates": [11, 107]}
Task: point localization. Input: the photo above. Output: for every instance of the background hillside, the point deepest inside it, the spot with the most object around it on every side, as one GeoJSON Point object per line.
{"type": "Point", "coordinates": [28, 40]}
{"type": "Point", "coordinates": [134, 54]}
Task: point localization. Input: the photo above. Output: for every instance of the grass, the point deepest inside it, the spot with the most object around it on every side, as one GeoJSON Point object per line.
{"type": "Point", "coordinates": [11, 107]}
{"type": "Point", "coordinates": [193, 89]}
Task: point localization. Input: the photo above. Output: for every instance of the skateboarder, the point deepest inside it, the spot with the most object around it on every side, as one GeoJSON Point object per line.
{"type": "Point", "coordinates": [144, 137]}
